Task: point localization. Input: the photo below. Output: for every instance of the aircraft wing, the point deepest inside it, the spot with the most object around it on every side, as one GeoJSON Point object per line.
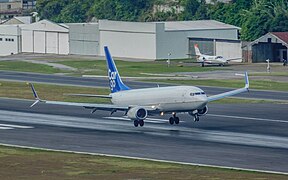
{"type": "Point", "coordinates": [232, 59]}
{"type": "Point", "coordinates": [90, 95]}
{"type": "Point", "coordinates": [231, 93]}
{"type": "Point", "coordinates": [106, 107]}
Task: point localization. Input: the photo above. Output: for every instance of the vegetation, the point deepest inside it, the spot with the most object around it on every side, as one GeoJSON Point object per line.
{"type": "Point", "coordinates": [255, 17]}
{"type": "Point", "coordinates": [19, 163]}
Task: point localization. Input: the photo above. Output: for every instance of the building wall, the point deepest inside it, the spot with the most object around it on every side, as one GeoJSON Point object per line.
{"type": "Point", "coordinates": [9, 40]}
{"type": "Point", "coordinates": [128, 39]}
{"type": "Point", "coordinates": [177, 42]}
{"type": "Point", "coordinates": [84, 38]}
{"type": "Point", "coordinates": [45, 37]}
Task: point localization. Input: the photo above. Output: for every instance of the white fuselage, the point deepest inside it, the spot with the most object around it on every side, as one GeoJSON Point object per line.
{"type": "Point", "coordinates": [174, 98]}
{"type": "Point", "coordinates": [212, 59]}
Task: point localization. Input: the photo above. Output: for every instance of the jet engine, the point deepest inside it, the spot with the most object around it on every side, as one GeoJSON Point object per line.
{"type": "Point", "coordinates": [202, 112]}
{"type": "Point", "coordinates": [137, 113]}
{"type": "Point", "coordinates": [199, 112]}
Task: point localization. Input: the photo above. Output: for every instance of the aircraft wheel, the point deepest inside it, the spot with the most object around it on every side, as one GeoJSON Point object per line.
{"type": "Point", "coordinates": [176, 119]}
{"type": "Point", "coordinates": [171, 120]}
{"type": "Point", "coordinates": [196, 118]}
{"type": "Point", "coordinates": [141, 123]}
{"type": "Point", "coordinates": [136, 123]}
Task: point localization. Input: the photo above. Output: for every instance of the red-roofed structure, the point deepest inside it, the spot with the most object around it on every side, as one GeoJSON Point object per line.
{"type": "Point", "coordinates": [272, 46]}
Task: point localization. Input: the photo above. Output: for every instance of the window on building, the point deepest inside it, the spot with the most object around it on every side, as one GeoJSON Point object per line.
{"type": "Point", "coordinates": [269, 40]}
{"type": "Point", "coordinates": [1, 39]}
{"type": "Point", "coordinates": [12, 40]}
{"type": "Point", "coordinates": [9, 6]}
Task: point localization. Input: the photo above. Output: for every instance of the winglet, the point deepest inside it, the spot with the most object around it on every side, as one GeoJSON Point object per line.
{"type": "Point", "coordinates": [246, 81]}
{"type": "Point", "coordinates": [35, 95]}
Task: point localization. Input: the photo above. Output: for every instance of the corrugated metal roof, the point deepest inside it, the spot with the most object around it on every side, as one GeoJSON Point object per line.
{"type": "Point", "coordinates": [196, 25]}
{"type": "Point", "coordinates": [281, 35]}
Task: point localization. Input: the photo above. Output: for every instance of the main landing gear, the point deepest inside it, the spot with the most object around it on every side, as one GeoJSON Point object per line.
{"type": "Point", "coordinates": [196, 118]}
{"type": "Point", "coordinates": [174, 119]}
{"type": "Point", "coordinates": [138, 122]}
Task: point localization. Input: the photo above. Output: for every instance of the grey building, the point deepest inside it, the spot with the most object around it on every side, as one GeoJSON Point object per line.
{"type": "Point", "coordinates": [84, 38]}
{"type": "Point", "coordinates": [272, 46]}
{"type": "Point", "coordinates": [155, 40]}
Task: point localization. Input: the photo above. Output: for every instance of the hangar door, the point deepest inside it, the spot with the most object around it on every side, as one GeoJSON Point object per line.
{"type": "Point", "coordinates": [45, 42]}
{"type": "Point", "coordinates": [230, 49]}
{"type": "Point", "coordinates": [206, 46]}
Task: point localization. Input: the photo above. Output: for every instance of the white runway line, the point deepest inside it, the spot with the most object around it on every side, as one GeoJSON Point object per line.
{"type": "Point", "coordinates": [248, 118]}
{"type": "Point", "coordinates": [150, 120]}
{"type": "Point", "coordinates": [5, 128]}
{"type": "Point", "coordinates": [16, 126]}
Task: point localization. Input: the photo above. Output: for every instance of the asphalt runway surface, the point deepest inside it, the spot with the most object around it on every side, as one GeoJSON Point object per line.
{"type": "Point", "coordinates": [252, 136]}
{"type": "Point", "coordinates": [103, 82]}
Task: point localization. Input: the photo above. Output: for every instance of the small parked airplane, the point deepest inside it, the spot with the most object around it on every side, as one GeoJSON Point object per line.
{"type": "Point", "coordinates": [139, 103]}
{"type": "Point", "coordinates": [207, 59]}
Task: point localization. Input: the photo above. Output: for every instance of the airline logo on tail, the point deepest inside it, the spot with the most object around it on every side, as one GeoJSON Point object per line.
{"type": "Point", "coordinates": [115, 81]}
{"type": "Point", "coordinates": [197, 51]}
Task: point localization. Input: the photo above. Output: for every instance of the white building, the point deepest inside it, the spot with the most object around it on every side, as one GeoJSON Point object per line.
{"type": "Point", "coordinates": [45, 37]}
{"type": "Point", "coordinates": [10, 41]}
{"type": "Point", "coordinates": [155, 40]}
{"type": "Point", "coordinates": [142, 40]}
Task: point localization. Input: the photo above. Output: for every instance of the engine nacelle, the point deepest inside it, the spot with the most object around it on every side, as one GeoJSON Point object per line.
{"type": "Point", "coordinates": [137, 113]}
{"type": "Point", "coordinates": [202, 112]}
{"type": "Point", "coordinates": [199, 112]}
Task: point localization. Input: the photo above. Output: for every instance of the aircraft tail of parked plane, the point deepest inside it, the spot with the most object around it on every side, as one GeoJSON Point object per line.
{"type": "Point", "coordinates": [197, 50]}
{"type": "Point", "coordinates": [138, 104]}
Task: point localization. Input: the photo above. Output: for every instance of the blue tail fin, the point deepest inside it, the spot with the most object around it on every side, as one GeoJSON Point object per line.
{"type": "Point", "coordinates": [115, 81]}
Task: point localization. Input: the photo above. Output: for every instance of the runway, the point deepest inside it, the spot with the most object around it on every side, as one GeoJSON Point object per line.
{"type": "Point", "coordinates": [252, 136]}
{"type": "Point", "coordinates": [102, 82]}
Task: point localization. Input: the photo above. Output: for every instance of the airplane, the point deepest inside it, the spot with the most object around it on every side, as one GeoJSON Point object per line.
{"type": "Point", "coordinates": [202, 58]}
{"type": "Point", "coordinates": [138, 104]}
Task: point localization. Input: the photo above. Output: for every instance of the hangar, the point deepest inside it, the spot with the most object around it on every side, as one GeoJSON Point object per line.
{"type": "Point", "coordinates": [272, 46]}
{"type": "Point", "coordinates": [142, 40]}
{"type": "Point", "coordinates": [10, 40]}
{"type": "Point", "coordinates": [84, 38]}
{"type": "Point", "coordinates": [155, 40]}
{"type": "Point", "coordinates": [45, 37]}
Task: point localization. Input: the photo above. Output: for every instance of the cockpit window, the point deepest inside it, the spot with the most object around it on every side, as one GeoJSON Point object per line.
{"type": "Point", "coordinates": [197, 93]}
{"type": "Point", "coordinates": [219, 57]}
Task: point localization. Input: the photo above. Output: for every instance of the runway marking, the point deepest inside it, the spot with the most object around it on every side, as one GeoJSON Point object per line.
{"type": "Point", "coordinates": [16, 126]}
{"type": "Point", "coordinates": [147, 159]}
{"type": "Point", "coordinates": [11, 126]}
{"type": "Point", "coordinates": [5, 128]}
{"type": "Point", "coordinates": [157, 121]}
{"type": "Point", "coordinates": [248, 118]}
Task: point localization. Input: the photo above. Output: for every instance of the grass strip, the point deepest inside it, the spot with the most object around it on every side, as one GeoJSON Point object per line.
{"type": "Point", "coordinates": [56, 93]}
{"type": "Point", "coordinates": [20, 163]}
{"type": "Point", "coordinates": [254, 84]}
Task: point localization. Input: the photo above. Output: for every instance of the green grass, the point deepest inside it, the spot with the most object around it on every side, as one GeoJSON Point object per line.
{"type": "Point", "coordinates": [27, 67]}
{"type": "Point", "coordinates": [19, 163]}
{"type": "Point", "coordinates": [57, 93]}
{"type": "Point", "coordinates": [51, 92]}
{"type": "Point", "coordinates": [254, 84]}
{"type": "Point", "coordinates": [134, 69]}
